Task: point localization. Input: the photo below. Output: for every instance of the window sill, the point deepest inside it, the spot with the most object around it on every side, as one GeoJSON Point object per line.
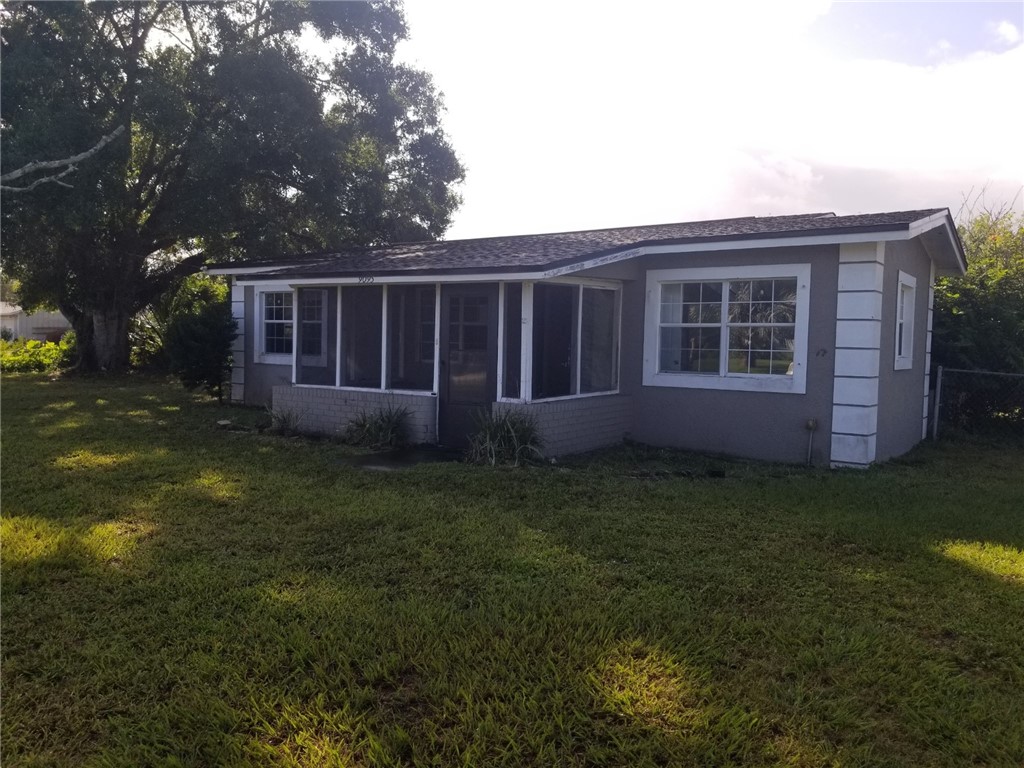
{"type": "Point", "coordinates": [274, 359]}
{"type": "Point", "coordinates": [793, 385]}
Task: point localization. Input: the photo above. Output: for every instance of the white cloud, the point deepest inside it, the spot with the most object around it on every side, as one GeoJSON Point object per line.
{"type": "Point", "coordinates": [941, 49]}
{"type": "Point", "coordinates": [568, 116]}
{"type": "Point", "coordinates": [1006, 32]}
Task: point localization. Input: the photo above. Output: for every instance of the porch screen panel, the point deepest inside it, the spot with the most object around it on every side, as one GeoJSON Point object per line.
{"type": "Point", "coordinates": [316, 315]}
{"type": "Point", "coordinates": [362, 308]}
{"type": "Point", "coordinates": [411, 337]}
{"type": "Point", "coordinates": [599, 347]}
{"type": "Point", "coordinates": [554, 337]}
{"type": "Point", "coordinates": [513, 339]}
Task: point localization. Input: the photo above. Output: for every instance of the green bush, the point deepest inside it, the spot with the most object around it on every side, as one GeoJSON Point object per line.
{"type": "Point", "coordinates": [979, 318]}
{"type": "Point", "coordinates": [198, 347]}
{"type": "Point", "coordinates": [387, 427]}
{"type": "Point", "coordinates": [27, 355]}
{"type": "Point", "coordinates": [148, 331]}
{"type": "Point", "coordinates": [507, 437]}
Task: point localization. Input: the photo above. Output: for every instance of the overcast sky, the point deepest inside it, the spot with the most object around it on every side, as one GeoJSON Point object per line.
{"type": "Point", "coordinates": [589, 115]}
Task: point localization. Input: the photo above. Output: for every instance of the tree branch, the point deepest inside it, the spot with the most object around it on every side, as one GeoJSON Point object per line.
{"type": "Point", "coordinates": [67, 163]}
{"type": "Point", "coordinates": [191, 29]}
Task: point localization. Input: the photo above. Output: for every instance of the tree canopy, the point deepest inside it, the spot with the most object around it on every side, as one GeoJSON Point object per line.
{"type": "Point", "coordinates": [979, 318]}
{"type": "Point", "coordinates": [237, 141]}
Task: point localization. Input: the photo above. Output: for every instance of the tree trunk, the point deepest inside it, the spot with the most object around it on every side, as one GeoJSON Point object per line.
{"type": "Point", "coordinates": [109, 340]}
{"type": "Point", "coordinates": [81, 322]}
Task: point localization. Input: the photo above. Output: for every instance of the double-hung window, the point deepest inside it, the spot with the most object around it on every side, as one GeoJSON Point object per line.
{"type": "Point", "coordinates": [732, 328]}
{"type": "Point", "coordinates": [277, 322]}
{"type": "Point", "coordinates": [905, 295]}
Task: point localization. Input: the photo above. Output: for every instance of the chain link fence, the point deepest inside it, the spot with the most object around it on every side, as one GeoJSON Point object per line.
{"type": "Point", "coordinates": [978, 402]}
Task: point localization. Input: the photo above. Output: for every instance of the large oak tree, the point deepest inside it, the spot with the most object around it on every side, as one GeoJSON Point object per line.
{"type": "Point", "coordinates": [237, 141]}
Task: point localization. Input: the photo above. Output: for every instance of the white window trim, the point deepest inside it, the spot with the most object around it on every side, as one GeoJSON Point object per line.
{"type": "Point", "coordinates": [905, 286]}
{"type": "Point", "coordinates": [744, 382]}
{"type": "Point", "coordinates": [258, 355]}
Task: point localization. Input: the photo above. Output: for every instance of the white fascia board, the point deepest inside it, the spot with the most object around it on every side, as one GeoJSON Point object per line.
{"type": "Point", "coordinates": [921, 226]}
{"type": "Point", "coordinates": [240, 270]}
{"type": "Point", "coordinates": [429, 279]}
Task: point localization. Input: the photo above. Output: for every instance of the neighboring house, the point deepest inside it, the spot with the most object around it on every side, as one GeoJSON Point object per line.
{"type": "Point", "coordinates": [776, 337]}
{"type": "Point", "coordinates": [43, 326]}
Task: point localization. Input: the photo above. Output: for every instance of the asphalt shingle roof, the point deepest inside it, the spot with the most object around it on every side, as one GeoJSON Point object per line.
{"type": "Point", "coordinates": [534, 252]}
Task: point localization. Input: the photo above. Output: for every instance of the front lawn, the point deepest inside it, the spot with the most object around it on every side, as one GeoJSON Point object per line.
{"type": "Point", "coordinates": [175, 593]}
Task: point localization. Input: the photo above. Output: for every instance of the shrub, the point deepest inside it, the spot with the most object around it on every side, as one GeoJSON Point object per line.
{"type": "Point", "coordinates": [25, 355]}
{"type": "Point", "coordinates": [979, 318]}
{"type": "Point", "coordinates": [147, 334]}
{"type": "Point", "coordinates": [507, 437]}
{"type": "Point", "coordinates": [387, 427]}
{"type": "Point", "coordinates": [198, 347]}
{"type": "Point", "coordinates": [6, 334]}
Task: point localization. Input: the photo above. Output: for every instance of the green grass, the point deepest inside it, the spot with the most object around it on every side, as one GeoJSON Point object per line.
{"type": "Point", "coordinates": [174, 593]}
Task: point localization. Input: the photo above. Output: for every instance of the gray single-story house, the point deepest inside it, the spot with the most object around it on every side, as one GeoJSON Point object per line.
{"type": "Point", "coordinates": [780, 337]}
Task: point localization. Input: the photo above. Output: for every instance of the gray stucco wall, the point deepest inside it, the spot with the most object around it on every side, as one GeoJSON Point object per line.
{"type": "Point", "coordinates": [762, 425]}
{"type": "Point", "coordinates": [328, 411]}
{"type": "Point", "coordinates": [579, 424]}
{"type": "Point", "coordinates": [259, 378]}
{"type": "Point", "coordinates": [901, 393]}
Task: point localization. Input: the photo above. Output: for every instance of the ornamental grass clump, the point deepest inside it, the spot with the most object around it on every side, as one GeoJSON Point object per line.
{"type": "Point", "coordinates": [509, 437]}
{"type": "Point", "coordinates": [384, 429]}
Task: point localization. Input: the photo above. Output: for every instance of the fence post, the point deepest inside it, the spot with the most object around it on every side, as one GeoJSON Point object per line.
{"type": "Point", "coordinates": [938, 403]}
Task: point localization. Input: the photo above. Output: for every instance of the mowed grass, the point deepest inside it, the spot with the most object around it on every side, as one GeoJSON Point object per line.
{"type": "Point", "coordinates": [174, 593]}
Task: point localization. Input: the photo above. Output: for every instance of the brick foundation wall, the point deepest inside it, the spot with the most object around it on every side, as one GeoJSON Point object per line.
{"type": "Point", "coordinates": [328, 411]}
{"type": "Point", "coordinates": [579, 424]}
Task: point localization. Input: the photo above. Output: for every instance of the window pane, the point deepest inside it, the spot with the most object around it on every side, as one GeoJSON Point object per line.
{"type": "Point", "coordinates": [761, 312]}
{"type": "Point", "coordinates": [689, 350]}
{"type": "Point", "coordinates": [783, 339]}
{"type": "Point", "coordinates": [361, 310]}
{"type": "Point", "coordinates": [782, 364]}
{"type": "Point", "coordinates": [671, 313]}
{"type": "Point", "coordinates": [739, 338]}
{"type": "Point", "coordinates": [711, 293]}
{"type": "Point", "coordinates": [711, 313]}
{"type": "Point", "coordinates": [785, 290]}
{"type": "Point", "coordinates": [513, 339]}
{"type": "Point", "coordinates": [739, 313]}
{"type": "Point", "coordinates": [739, 361]}
{"type": "Point", "coordinates": [761, 290]}
{"type": "Point", "coordinates": [739, 291]}
{"type": "Point", "coordinates": [411, 337]}
{"type": "Point", "coordinates": [599, 341]}
{"type": "Point", "coordinates": [761, 338]}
